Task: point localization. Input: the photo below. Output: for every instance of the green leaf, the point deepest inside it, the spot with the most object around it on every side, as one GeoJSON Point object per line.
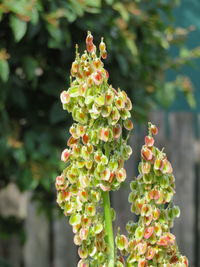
{"type": "Point", "coordinates": [93, 6]}
{"type": "Point", "coordinates": [25, 180]}
{"type": "Point", "coordinates": [18, 27]}
{"type": "Point", "coordinates": [19, 155]}
{"type": "Point", "coordinates": [77, 7]}
{"type": "Point", "coordinates": [132, 46]}
{"type": "Point", "coordinates": [18, 7]}
{"type": "Point", "coordinates": [4, 70]}
{"type": "Point", "coordinates": [55, 32]}
{"type": "Point", "coordinates": [34, 16]}
{"type": "Point", "coordinates": [109, 2]}
{"type": "Point", "coordinates": [57, 36]}
{"type": "Point", "coordinates": [70, 15]}
{"type": "Point", "coordinates": [92, 3]}
{"type": "Point", "coordinates": [191, 100]}
{"type": "Point", "coordinates": [166, 94]}
{"type": "Point", "coordinates": [185, 53]}
{"type": "Point", "coordinates": [122, 10]}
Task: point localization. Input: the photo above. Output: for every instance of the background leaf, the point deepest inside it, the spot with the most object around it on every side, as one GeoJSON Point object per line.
{"type": "Point", "coordinates": [18, 27]}
{"type": "Point", "coordinates": [4, 70]}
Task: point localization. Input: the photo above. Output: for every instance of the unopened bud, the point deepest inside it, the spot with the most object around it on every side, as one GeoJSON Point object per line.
{"type": "Point", "coordinates": [102, 46]}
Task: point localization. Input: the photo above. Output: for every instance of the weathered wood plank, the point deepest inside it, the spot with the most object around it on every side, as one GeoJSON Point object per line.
{"type": "Point", "coordinates": [37, 247]}
{"type": "Point", "coordinates": [197, 151]}
{"type": "Point", "coordinates": [197, 184]}
{"type": "Point", "coordinates": [65, 252]}
{"type": "Point", "coordinates": [197, 216]}
{"type": "Point", "coordinates": [13, 203]}
{"type": "Point", "coordinates": [182, 158]}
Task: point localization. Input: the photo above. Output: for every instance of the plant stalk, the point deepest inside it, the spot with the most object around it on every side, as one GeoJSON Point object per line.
{"type": "Point", "coordinates": [109, 229]}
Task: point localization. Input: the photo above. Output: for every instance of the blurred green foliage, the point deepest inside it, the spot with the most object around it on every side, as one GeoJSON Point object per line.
{"type": "Point", "coordinates": [36, 51]}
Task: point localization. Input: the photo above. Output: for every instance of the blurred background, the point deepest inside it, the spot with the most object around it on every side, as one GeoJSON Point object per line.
{"type": "Point", "coordinates": [154, 53]}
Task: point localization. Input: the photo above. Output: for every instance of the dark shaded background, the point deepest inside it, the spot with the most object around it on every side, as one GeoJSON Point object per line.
{"type": "Point", "coordinates": [153, 55]}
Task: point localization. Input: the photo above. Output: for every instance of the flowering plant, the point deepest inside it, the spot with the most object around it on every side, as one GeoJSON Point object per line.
{"type": "Point", "coordinates": [149, 241]}
{"type": "Point", "coordinates": [94, 161]}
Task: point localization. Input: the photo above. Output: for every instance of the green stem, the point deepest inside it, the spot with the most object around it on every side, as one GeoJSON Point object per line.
{"type": "Point", "coordinates": [109, 229]}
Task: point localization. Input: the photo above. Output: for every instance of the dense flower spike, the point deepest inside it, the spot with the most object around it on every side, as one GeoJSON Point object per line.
{"type": "Point", "coordinates": [150, 242]}
{"type": "Point", "coordinates": [97, 145]}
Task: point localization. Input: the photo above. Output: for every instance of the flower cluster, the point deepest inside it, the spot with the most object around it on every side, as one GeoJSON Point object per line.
{"type": "Point", "coordinates": [96, 150]}
{"type": "Point", "coordinates": [150, 242]}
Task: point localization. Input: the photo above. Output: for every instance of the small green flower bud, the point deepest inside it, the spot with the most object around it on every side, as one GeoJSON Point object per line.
{"type": "Point", "coordinates": [125, 114]}
{"type": "Point", "coordinates": [77, 240]}
{"type": "Point", "coordinates": [83, 263]}
{"type": "Point", "coordinates": [92, 251]}
{"type": "Point", "coordinates": [176, 211]}
{"type": "Point", "coordinates": [128, 124]}
{"type": "Point", "coordinates": [82, 252]}
{"type": "Point", "coordinates": [119, 264]}
{"type": "Point", "coordinates": [132, 196]}
{"type": "Point", "coordinates": [102, 46]}
{"type": "Point", "coordinates": [114, 116]}
{"type": "Point", "coordinates": [146, 210]}
{"type": "Point", "coordinates": [113, 165]}
{"type": "Point", "coordinates": [101, 257]}
{"type": "Point", "coordinates": [148, 178]}
{"type": "Point", "coordinates": [145, 167]}
{"type": "Point", "coordinates": [131, 227]}
{"type": "Point", "coordinates": [104, 160]}
{"type": "Point", "coordinates": [121, 242]}
{"type": "Point", "coordinates": [139, 233]}
{"type": "Point", "coordinates": [90, 209]}
{"type": "Point", "coordinates": [121, 175]}
{"type": "Point", "coordinates": [75, 219]}
{"type": "Point", "coordinates": [68, 208]}
{"type": "Point", "coordinates": [109, 98]}
{"type": "Point", "coordinates": [83, 233]}
{"type": "Point", "coordinates": [117, 130]}
{"type": "Point", "coordinates": [104, 134]}
{"type": "Point", "coordinates": [105, 111]}
{"type": "Point", "coordinates": [98, 228]}
{"type": "Point", "coordinates": [100, 101]}
{"type": "Point", "coordinates": [133, 185]}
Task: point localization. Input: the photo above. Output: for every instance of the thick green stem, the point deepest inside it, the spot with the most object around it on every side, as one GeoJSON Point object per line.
{"type": "Point", "coordinates": [109, 229]}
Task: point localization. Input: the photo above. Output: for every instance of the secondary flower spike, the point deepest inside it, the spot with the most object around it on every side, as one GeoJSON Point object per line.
{"type": "Point", "coordinates": [96, 150]}
{"type": "Point", "coordinates": [149, 241]}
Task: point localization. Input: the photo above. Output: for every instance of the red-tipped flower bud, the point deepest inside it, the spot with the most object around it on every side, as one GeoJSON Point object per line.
{"type": "Point", "coordinates": [149, 141]}
{"type": "Point", "coordinates": [104, 55]}
{"type": "Point", "coordinates": [89, 38]}
{"type": "Point", "coordinates": [90, 47]}
{"type": "Point", "coordinates": [153, 129]}
{"type": "Point", "coordinates": [146, 153]}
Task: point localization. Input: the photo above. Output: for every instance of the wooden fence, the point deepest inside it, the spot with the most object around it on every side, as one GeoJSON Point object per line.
{"type": "Point", "coordinates": [50, 244]}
